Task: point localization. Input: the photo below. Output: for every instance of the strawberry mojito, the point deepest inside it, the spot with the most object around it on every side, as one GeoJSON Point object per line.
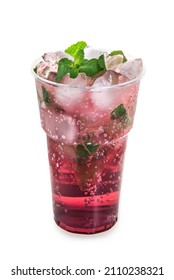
{"type": "Point", "coordinates": [87, 100]}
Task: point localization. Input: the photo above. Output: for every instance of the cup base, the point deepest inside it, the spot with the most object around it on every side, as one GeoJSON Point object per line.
{"type": "Point", "coordinates": [74, 215]}
{"type": "Point", "coordinates": [85, 230]}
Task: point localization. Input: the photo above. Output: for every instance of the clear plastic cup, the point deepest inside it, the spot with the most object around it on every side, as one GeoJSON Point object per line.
{"type": "Point", "coordinates": [87, 130]}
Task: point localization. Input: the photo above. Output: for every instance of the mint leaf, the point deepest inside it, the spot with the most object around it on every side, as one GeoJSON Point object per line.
{"type": "Point", "coordinates": [92, 147]}
{"type": "Point", "coordinates": [65, 65]}
{"type": "Point", "coordinates": [119, 111]}
{"type": "Point", "coordinates": [35, 69]}
{"type": "Point", "coordinates": [101, 62]}
{"type": "Point", "coordinates": [81, 151]}
{"type": "Point", "coordinates": [90, 67]}
{"type": "Point", "coordinates": [46, 95]}
{"type": "Point", "coordinates": [79, 57]}
{"type": "Point", "coordinates": [75, 48]}
{"type": "Point", "coordinates": [118, 52]}
{"type": "Point", "coordinates": [120, 114]}
{"type": "Point", "coordinates": [85, 150]}
{"type": "Point", "coordinates": [74, 73]}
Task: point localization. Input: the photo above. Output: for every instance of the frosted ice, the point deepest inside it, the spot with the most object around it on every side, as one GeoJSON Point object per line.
{"type": "Point", "coordinates": [131, 68]}
{"type": "Point", "coordinates": [54, 57]}
{"type": "Point", "coordinates": [106, 99]}
{"type": "Point", "coordinates": [52, 76]}
{"type": "Point", "coordinates": [112, 62]}
{"type": "Point", "coordinates": [44, 68]}
{"type": "Point", "coordinates": [108, 79]}
{"type": "Point", "coordinates": [81, 81]}
{"type": "Point", "coordinates": [48, 66]}
{"type": "Point", "coordinates": [70, 97]}
{"type": "Point", "coordinates": [93, 53]}
{"type": "Point", "coordinates": [58, 126]}
{"type": "Point", "coordinates": [109, 97]}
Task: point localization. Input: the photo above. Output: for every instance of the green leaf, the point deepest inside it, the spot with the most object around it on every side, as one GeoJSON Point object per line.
{"type": "Point", "coordinates": [120, 115]}
{"type": "Point", "coordinates": [92, 147]}
{"type": "Point", "coordinates": [79, 57]}
{"type": "Point", "coordinates": [90, 67]}
{"type": "Point", "coordinates": [75, 48]}
{"type": "Point", "coordinates": [101, 62]}
{"type": "Point", "coordinates": [118, 52]}
{"type": "Point", "coordinates": [85, 150]}
{"type": "Point", "coordinates": [74, 73]}
{"type": "Point", "coordinates": [64, 67]}
{"type": "Point", "coordinates": [119, 111]}
{"type": "Point", "coordinates": [46, 95]}
{"type": "Point", "coordinates": [35, 69]}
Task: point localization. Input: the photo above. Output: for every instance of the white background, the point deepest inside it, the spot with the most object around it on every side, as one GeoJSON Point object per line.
{"type": "Point", "coordinates": [144, 233]}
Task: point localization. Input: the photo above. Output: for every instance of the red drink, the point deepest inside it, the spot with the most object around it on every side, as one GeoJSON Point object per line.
{"type": "Point", "coordinates": [87, 121]}
{"type": "Point", "coordinates": [95, 208]}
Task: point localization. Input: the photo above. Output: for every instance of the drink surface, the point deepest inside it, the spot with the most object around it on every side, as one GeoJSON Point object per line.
{"type": "Point", "coordinates": [87, 119]}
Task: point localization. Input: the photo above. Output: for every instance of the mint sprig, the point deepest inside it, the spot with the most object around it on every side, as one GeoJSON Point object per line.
{"type": "Point", "coordinates": [90, 67]}
{"type": "Point", "coordinates": [75, 48]}
{"type": "Point", "coordinates": [119, 52]}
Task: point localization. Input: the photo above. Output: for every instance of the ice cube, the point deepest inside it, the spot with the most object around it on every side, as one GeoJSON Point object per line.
{"type": "Point", "coordinates": [44, 68]}
{"type": "Point", "coordinates": [81, 81]}
{"type": "Point", "coordinates": [54, 57]}
{"type": "Point", "coordinates": [52, 76]}
{"type": "Point", "coordinates": [106, 98]}
{"type": "Point", "coordinates": [131, 68]}
{"type": "Point", "coordinates": [58, 126]}
{"type": "Point", "coordinates": [123, 79]}
{"type": "Point", "coordinates": [93, 53]}
{"type": "Point", "coordinates": [71, 94]}
{"type": "Point", "coordinates": [112, 62]}
{"type": "Point", "coordinates": [108, 79]}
